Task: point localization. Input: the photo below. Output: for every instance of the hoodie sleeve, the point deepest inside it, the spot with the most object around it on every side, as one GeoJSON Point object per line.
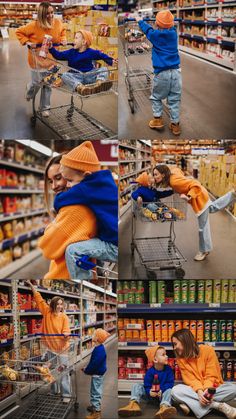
{"type": "Point", "coordinates": [212, 371]}
{"type": "Point", "coordinates": [149, 31]}
{"type": "Point", "coordinates": [164, 194]}
{"type": "Point", "coordinates": [99, 55]}
{"type": "Point", "coordinates": [169, 380]}
{"type": "Point", "coordinates": [24, 32]}
{"type": "Point", "coordinates": [41, 303]}
{"type": "Point", "coordinates": [189, 377]}
{"type": "Point", "coordinates": [148, 380]}
{"type": "Point", "coordinates": [60, 55]}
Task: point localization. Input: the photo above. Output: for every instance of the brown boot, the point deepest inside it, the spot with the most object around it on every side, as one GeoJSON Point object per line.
{"type": "Point", "coordinates": [105, 85]}
{"type": "Point", "coordinates": [175, 128]}
{"type": "Point", "coordinates": [132, 409]}
{"type": "Point", "coordinates": [166, 412]}
{"type": "Point", "coordinates": [94, 415]}
{"type": "Point", "coordinates": [156, 123]}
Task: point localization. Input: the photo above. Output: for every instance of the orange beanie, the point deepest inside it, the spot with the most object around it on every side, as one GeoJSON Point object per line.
{"type": "Point", "coordinates": [143, 179]}
{"type": "Point", "coordinates": [151, 352]}
{"type": "Point", "coordinates": [165, 19]}
{"type": "Point", "coordinates": [88, 36]}
{"type": "Point", "coordinates": [83, 158]}
{"type": "Point", "coordinates": [101, 335]}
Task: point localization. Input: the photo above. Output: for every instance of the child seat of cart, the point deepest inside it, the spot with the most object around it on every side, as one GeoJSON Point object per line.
{"type": "Point", "coordinates": [167, 209]}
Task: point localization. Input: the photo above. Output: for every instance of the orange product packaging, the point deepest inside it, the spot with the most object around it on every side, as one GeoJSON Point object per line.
{"type": "Point", "coordinates": [143, 335]}
{"type": "Point", "coordinates": [200, 331]}
{"type": "Point", "coordinates": [178, 324]}
{"type": "Point", "coordinates": [164, 331]}
{"type": "Point", "coordinates": [122, 336]}
{"type": "Point", "coordinates": [157, 328]}
{"type": "Point", "coordinates": [126, 321]}
{"type": "Point", "coordinates": [193, 328]}
{"type": "Point", "coordinates": [120, 323]}
{"type": "Point", "coordinates": [149, 324]}
{"type": "Point", "coordinates": [141, 321]}
{"type": "Point", "coordinates": [171, 329]}
{"type": "Point", "coordinates": [136, 335]}
{"type": "Point", "coordinates": [133, 321]}
{"type": "Point", "coordinates": [150, 335]}
{"type": "Point", "coordinates": [129, 335]}
{"type": "Point", "coordinates": [185, 324]}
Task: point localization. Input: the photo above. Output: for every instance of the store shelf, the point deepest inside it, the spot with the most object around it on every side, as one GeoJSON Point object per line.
{"type": "Point", "coordinates": [15, 216]}
{"type": "Point", "coordinates": [221, 61]}
{"type": "Point", "coordinates": [87, 325]}
{"type": "Point", "coordinates": [175, 308]}
{"type": "Point", "coordinates": [16, 165]}
{"type": "Point", "coordinates": [8, 243]}
{"type": "Point", "coordinates": [137, 346]}
{"type": "Point", "coordinates": [18, 264]}
{"type": "Point", "coordinates": [125, 208]}
{"type": "Point", "coordinates": [4, 190]}
{"type": "Point", "coordinates": [5, 342]}
{"type": "Point", "coordinates": [114, 319]}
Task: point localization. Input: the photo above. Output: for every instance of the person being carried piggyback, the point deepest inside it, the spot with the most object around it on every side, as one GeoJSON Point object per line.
{"type": "Point", "coordinates": [167, 83]}
{"type": "Point", "coordinates": [157, 386]}
{"type": "Point", "coordinates": [83, 77]}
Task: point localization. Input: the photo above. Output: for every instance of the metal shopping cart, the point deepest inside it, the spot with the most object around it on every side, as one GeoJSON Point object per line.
{"type": "Point", "coordinates": [138, 75]}
{"type": "Point", "coordinates": [69, 121]}
{"type": "Point", "coordinates": [37, 365]}
{"type": "Point", "coordinates": [103, 273]}
{"type": "Point", "coordinates": [159, 253]}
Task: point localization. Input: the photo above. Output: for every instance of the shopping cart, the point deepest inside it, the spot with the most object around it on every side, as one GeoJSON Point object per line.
{"type": "Point", "coordinates": [37, 365]}
{"type": "Point", "coordinates": [103, 274]}
{"type": "Point", "coordinates": [139, 73]}
{"type": "Point", "coordinates": [69, 121]}
{"type": "Point", "coordinates": [159, 253]}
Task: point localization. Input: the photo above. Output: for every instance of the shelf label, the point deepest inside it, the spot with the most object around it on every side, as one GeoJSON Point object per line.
{"type": "Point", "coordinates": [152, 343]}
{"type": "Point", "coordinates": [214, 305]}
{"type": "Point", "coordinates": [3, 340]}
{"type": "Point", "coordinates": [138, 376]}
{"type": "Point", "coordinates": [155, 305]}
{"type": "Point", "coordinates": [211, 343]}
{"type": "Point", "coordinates": [122, 305]}
{"type": "Point", "coordinates": [2, 311]}
{"type": "Point", "coordinates": [122, 343]}
{"type": "Point", "coordinates": [133, 326]}
{"type": "Point", "coordinates": [134, 365]}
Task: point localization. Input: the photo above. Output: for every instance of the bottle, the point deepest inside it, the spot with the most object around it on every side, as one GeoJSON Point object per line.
{"type": "Point", "coordinates": [209, 393]}
{"type": "Point", "coordinates": [155, 384]}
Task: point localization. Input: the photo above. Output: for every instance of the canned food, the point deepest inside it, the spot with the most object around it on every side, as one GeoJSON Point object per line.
{"type": "Point", "coordinates": [192, 291]}
{"type": "Point", "coordinates": [129, 335]}
{"type": "Point", "coordinates": [126, 286]}
{"type": "Point", "coordinates": [120, 323]}
{"type": "Point", "coordinates": [193, 328]}
{"type": "Point", "coordinates": [150, 335]}
{"type": "Point", "coordinates": [184, 292]}
{"type": "Point", "coordinates": [232, 291]}
{"type": "Point", "coordinates": [149, 324]}
{"type": "Point", "coordinates": [178, 324]}
{"type": "Point", "coordinates": [186, 324]}
{"type": "Point", "coordinates": [164, 331]}
{"type": "Point", "coordinates": [136, 335]}
{"type": "Point", "coordinates": [229, 331]}
{"type": "Point", "coordinates": [200, 331]}
{"type": "Point", "coordinates": [143, 335]}
{"type": "Point", "coordinates": [138, 298]}
{"type": "Point", "coordinates": [201, 292]}
{"type": "Point", "coordinates": [119, 286]}
{"type": "Point", "coordinates": [214, 330]}
{"type": "Point", "coordinates": [208, 291]}
{"type": "Point", "coordinates": [120, 298]}
{"type": "Point", "coordinates": [207, 330]}
{"type": "Point", "coordinates": [216, 291]}
{"type": "Point", "coordinates": [171, 329]}
{"type": "Point", "coordinates": [121, 335]}
{"type": "Point", "coordinates": [126, 298]}
{"type": "Point", "coordinates": [161, 291]}
{"type": "Point", "coordinates": [224, 291]}
{"type": "Point", "coordinates": [177, 292]}
{"type": "Point", "coordinates": [152, 292]}
{"type": "Point", "coordinates": [222, 330]}
{"type": "Point", "coordinates": [229, 370]}
{"type": "Point", "coordinates": [140, 286]}
{"type": "Point", "coordinates": [126, 321]}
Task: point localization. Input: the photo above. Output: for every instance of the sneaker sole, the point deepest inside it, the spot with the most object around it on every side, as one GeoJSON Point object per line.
{"type": "Point", "coordinates": [166, 415]}
{"type": "Point", "coordinates": [158, 128]}
{"type": "Point", "coordinates": [128, 413]}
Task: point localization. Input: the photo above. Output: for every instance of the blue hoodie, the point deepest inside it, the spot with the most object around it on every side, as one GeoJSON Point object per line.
{"type": "Point", "coordinates": [98, 192]}
{"type": "Point", "coordinates": [165, 377]}
{"type": "Point", "coordinates": [97, 364]}
{"type": "Point", "coordinates": [165, 55]}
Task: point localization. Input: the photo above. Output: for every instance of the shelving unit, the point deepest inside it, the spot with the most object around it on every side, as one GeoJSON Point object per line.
{"type": "Point", "coordinates": [149, 323]}
{"type": "Point", "coordinates": [134, 158]}
{"type": "Point", "coordinates": [83, 321]}
{"type": "Point", "coordinates": [207, 29]}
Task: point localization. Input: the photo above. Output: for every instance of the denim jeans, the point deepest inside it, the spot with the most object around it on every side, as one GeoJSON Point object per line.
{"type": "Point", "coordinates": [63, 385]}
{"type": "Point", "coordinates": [94, 248]}
{"type": "Point", "coordinates": [204, 230]}
{"type": "Point", "coordinates": [96, 391]}
{"type": "Point", "coordinates": [33, 88]}
{"type": "Point", "coordinates": [185, 394]}
{"type": "Point", "coordinates": [138, 393]}
{"type": "Point", "coordinates": [167, 85]}
{"type": "Point", "coordinates": [74, 79]}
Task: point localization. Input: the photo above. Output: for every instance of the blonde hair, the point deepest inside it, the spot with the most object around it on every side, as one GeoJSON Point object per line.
{"type": "Point", "coordinates": [42, 15]}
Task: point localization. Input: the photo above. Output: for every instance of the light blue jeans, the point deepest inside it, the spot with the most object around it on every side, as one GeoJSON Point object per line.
{"type": "Point", "coordinates": [167, 85]}
{"type": "Point", "coordinates": [63, 385]}
{"type": "Point", "coordinates": [74, 79]}
{"type": "Point", "coordinates": [94, 248]}
{"type": "Point", "coordinates": [138, 393]}
{"type": "Point", "coordinates": [205, 242]}
{"type": "Point", "coordinates": [96, 391]}
{"type": "Point", "coordinates": [185, 394]}
{"type": "Point", "coordinates": [33, 88]}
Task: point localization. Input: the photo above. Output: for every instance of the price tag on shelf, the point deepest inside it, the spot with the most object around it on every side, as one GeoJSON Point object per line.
{"type": "Point", "coordinates": [214, 305]}
{"type": "Point", "coordinates": [134, 365]}
{"type": "Point", "coordinates": [122, 343]}
{"type": "Point", "coordinates": [211, 343]}
{"type": "Point", "coordinates": [122, 305]}
{"type": "Point", "coordinates": [136, 376]}
{"type": "Point", "coordinates": [2, 311]}
{"type": "Point", "coordinates": [152, 343]}
{"type": "Point", "coordinates": [133, 326]}
{"type": "Point", "coordinates": [22, 311]}
{"type": "Point", "coordinates": [155, 305]}
{"type": "Point", "coordinates": [3, 340]}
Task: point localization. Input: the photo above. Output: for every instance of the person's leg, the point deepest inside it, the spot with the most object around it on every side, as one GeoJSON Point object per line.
{"type": "Point", "coordinates": [160, 90]}
{"type": "Point", "coordinates": [166, 397]}
{"type": "Point", "coordinates": [204, 231]}
{"type": "Point", "coordinates": [94, 248]}
{"type": "Point", "coordinates": [225, 393]}
{"type": "Point", "coordinates": [45, 97]}
{"type": "Point", "coordinates": [33, 86]}
{"type": "Point", "coordinates": [72, 80]}
{"type": "Point", "coordinates": [137, 392]}
{"type": "Point", "coordinates": [185, 394]}
{"type": "Point", "coordinates": [102, 73]}
{"type": "Point", "coordinates": [166, 410]}
{"type": "Point", "coordinates": [96, 392]}
{"type": "Point", "coordinates": [174, 96]}
{"type": "Point", "coordinates": [222, 202]}
{"type": "Point", "coordinates": [133, 407]}
{"type": "Point", "coordinates": [65, 383]}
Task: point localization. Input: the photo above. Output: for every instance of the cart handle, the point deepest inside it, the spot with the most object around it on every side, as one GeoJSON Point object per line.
{"type": "Point", "coordinates": [55, 335]}
{"type": "Point", "coordinates": [132, 19]}
{"type": "Point", "coordinates": [54, 45]}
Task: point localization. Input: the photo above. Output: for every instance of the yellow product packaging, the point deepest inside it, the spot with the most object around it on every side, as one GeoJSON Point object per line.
{"type": "Point", "coordinates": [150, 336]}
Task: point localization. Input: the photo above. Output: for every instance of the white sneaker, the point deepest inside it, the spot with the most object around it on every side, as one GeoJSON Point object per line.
{"type": "Point", "coordinates": [66, 400]}
{"type": "Point", "coordinates": [185, 409]}
{"type": "Point", "coordinates": [45, 114]}
{"type": "Point", "coordinates": [229, 411]}
{"type": "Point", "coordinates": [201, 256]}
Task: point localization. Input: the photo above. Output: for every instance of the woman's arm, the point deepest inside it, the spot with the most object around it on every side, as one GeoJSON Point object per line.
{"type": "Point", "coordinates": [40, 302]}
{"type": "Point", "coordinates": [24, 32]}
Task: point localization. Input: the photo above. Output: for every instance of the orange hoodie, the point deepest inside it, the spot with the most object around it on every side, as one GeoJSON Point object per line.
{"type": "Point", "coordinates": [32, 32]}
{"type": "Point", "coordinates": [52, 323]}
{"type": "Point", "coordinates": [73, 223]}
{"type": "Point", "coordinates": [202, 372]}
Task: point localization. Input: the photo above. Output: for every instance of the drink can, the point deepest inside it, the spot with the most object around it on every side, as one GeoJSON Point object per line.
{"type": "Point", "coordinates": [192, 291]}
{"type": "Point", "coordinates": [214, 330]}
{"type": "Point", "coordinates": [177, 293]}
{"type": "Point", "coordinates": [171, 329]}
{"type": "Point", "coordinates": [193, 328]}
{"type": "Point", "coordinates": [161, 291]}
{"type": "Point", "coordinates": [201, 292]}
{"type": "Point", "coordinates": [207, 330]}
{"type": "Point", "coordinates": [229, 331]}
{"type": "Point", "coordinates": [178, 325]}
{"type": "Point", "coordinates": [224, 291]}
{"type": "Point", "coordinates": [164, 331]}
{"type": "Point", "coordinates": [152, 292]}
{"type": "Point", "coordinates": [200, 331]}
{"type": "Point", "coordinates": [222, 330]}
{"type": "Point", "coordinates": [45, 46]}
{"type": "Point", "coordinates": [184, 291]}
{"type": "Point", "coordinates": [216, 291]}
{"type": "Point", "coordinates": [208, 291]}
{"type": "Point", "coordinates": [186, 324]}
{"type": "Point", "coordinates": [232, 291]}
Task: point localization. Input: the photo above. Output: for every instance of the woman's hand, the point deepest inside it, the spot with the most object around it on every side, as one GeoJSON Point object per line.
{"type": "Point", "coordinates": [31, 45]}
{"type": "Point", "coordinates": [28, 282]}
{"type": "Point", "coordinates": [187, 198]}
{"type": "Point", "coordinates": [203, 401]}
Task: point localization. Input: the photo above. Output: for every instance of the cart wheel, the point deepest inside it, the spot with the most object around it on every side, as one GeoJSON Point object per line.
{"type": "Point", "coordinates": [180, 273]}
{"type": "Point", "coordinates": [76, 406]}
{"type": "Point", "coordinates": [131, 105]}
{"type": "Point", "coordinates": [151, 275]}
{"type": "Point", "coordinates": [132, 249]}
{"type": "Point", "coordinates": [33, 121]}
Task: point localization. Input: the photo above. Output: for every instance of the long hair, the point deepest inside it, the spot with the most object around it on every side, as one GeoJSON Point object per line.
{"type": "Point", "coordinates": [164, 170]}
{"type": "Point", "coordinates": [191, 349]}
{"type": "Point", "coordinates": [53, 303]}
{"type": "Point", "coordinates": [42, 15]}
{"type": "Point", "coordinates": [51, 162]}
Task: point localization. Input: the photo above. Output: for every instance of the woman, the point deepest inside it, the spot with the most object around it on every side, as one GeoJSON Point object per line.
{"type": "Point", "coordinates": [73, 223]}
{"type": "Point", "coordinates": [32, 34]}
{"type": "Point", "coordinates": [200, 370]}
{"type": "Point", "coordinates": [197, 196]}
{"type": "Point", "coordinates": [55, 321]}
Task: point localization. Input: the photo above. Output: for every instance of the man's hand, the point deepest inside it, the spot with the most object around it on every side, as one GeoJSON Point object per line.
{"type": "Point", "coordinates": [153, 394]}
{"type": "Point", "coordinates": [203, 401]}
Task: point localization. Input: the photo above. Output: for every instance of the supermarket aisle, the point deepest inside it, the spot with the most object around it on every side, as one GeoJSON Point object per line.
{"type": "Point", "coordinates": [220, 264]}
{"type": "Point", "coordinates": [37, 268]}
{"type": "Point", "coordinates": [15, 112]}
{"type": "Point", "coordinates": [109, 404]}
{"type": "Point", "coordinates": [208, 103]}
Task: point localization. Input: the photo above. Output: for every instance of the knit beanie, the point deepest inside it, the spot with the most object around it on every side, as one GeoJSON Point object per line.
{"type": "Point", "coordinates": [165, 19]}
{"type": "Point", "coordinates": [151, 352]}
{"type": "Point", "coordinates": [101, 335]}
{"type": "Point", "coordinates": [82, 158]}
{"type": "Point", "coordinates": [143, 179]}
{"type": "Point", "coordinates": [88, 36]}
